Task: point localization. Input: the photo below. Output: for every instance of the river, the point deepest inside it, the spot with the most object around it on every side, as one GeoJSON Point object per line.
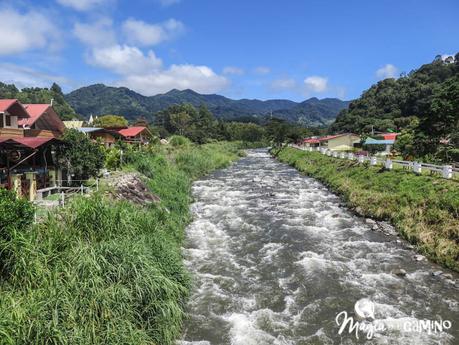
{"type": "Point", "coordinates": [275, 257]}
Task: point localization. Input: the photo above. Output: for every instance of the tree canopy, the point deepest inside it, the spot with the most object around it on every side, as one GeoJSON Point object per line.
{"type": "Point", "coordinates": [79, 155]}
{"type": "Point", "coordinates": [111, 121]}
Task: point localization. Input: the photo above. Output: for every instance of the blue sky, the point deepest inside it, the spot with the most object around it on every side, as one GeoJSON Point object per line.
{"type": "Point", "coordinates": [242, 49]}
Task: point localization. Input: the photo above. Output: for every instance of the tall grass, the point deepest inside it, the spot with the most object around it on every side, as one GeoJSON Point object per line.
{"type": "Point", "coordinates": [425, 209]}
{"type": "Point", "coordinates": [106, 272]}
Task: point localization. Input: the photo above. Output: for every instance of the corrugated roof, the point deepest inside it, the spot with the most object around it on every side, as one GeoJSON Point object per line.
{"type": "Point", "coordinates": [131, 131]}
{"type": "Point", "coordinates": [389, 136]}
{"type": "Point", "coordinates": [311, 141]}
{"type": "Point", "coordinates": [89, 129]}
{"type": "Point", "coordinates": [35, 111]}
{"type": "Point", "coordinates": [30, 142]}
{"type": "Point", "coordinates": [49, 120]}
{"type": "Point", "coordinates": [371, 141]}
{"type": "Point", "coordinates": [14, 107]}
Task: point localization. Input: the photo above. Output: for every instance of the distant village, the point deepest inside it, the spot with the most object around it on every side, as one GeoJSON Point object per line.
{"type": "Point", "coordinates": [382, 142]}
{"type": "Point", "coordinates": [29, 135]}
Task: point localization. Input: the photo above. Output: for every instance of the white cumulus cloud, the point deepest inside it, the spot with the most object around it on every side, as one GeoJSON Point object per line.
{"type": "Point", "coordinates": [81, 5]}
{"type": "Point", "coordinates": [144, 34]}
{"type": "Point", "coordinates": [316, 84]}
{"type": "Point", "coordinates": [145, 74]}
{"type": "Point", "coordinates": [124, 60]}
{"type": "Point", "coordinates": [201, 79]}
{"type": "Point", "coordinates": [99, 33]}
{"type": "Point", "coordinates": [25, 31]}
{"type": "Point", "coordinates": [387, 71]}
{"type": "Point", "coordinates": [233, 70]}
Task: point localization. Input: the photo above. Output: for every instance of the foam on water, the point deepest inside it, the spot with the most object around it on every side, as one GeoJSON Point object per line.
{"type": "Point", "coordinates": [275, 257]}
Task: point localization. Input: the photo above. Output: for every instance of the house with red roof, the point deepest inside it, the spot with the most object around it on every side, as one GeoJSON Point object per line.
{"type": "Point", "coordinates": [336, 142]}
{"type": "Point", "coordinates": [11, 113]}
{"type": "Point", "coordinates": [134, 135]}
{"type": "Point", "coordinates": [43, 121]}
{"type": "Point", "coordinates": [28, 137]}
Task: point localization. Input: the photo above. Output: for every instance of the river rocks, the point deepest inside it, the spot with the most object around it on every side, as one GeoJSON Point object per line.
{"type": "Point", "coordinates": [358, 210]}
{"type": "Point", "coordinates": [419, 257]}
{"type": "Point", "coordinates": [437, 273]}
{"type": "Point", "coordinates": [370, 221]}
{"type": "Point", "coordinates": [400, 272]}
{"type": "Point", "coordinates": [447, 275]}
{"type": "Point", "coordinates": [131, 187]}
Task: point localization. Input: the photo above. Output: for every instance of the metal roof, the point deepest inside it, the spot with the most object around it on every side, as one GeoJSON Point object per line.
{"type": "Point", "coordinates": [371, 141]}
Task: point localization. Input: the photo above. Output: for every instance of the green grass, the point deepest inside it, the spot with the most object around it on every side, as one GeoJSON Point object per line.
{"type": "Point", "coordinates": [424, 209]}
{"type": "Point", "coordinates": [106, 272]}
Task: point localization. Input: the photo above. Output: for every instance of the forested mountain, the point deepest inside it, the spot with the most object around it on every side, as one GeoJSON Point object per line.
{"type": "Point", "coordinates": [99, 99]}
{"type": "Point", "coordinates": [423, 105]}
{"type": "Point", "coordinates": [40, 95]}
{"type": "Point", "coordinates": [313, 112]}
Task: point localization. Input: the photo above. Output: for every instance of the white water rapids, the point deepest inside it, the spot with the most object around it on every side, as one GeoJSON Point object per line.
{"type": "Point", "coordinates": [275, 257]}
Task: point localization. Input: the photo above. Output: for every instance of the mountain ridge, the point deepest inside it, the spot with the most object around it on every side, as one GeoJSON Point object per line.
{"type": "Point", "coordinates": [99, 99]}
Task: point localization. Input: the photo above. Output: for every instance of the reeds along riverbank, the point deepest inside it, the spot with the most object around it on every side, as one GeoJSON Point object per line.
{"type": "Point", "coordinates": [424, 209]}
{"type": "Point", "coordinates": [101, 271]}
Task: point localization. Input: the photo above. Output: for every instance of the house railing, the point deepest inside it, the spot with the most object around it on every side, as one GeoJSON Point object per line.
{"type": "Point", "coordinates": [446, 171]}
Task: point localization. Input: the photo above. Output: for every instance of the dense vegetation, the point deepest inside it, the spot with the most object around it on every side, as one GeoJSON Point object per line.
{"type": "Point", "coordinates": [40, 95]}
{"type": "Point", "coordinates": [100, 99]}
{"type": "Point", "coordinates": [110, 121]}
{"type": "Point", "coordinates": [200, 126]}
{"type": "Point", "coordinates": [101, 271]}
{"type": "Point", "coordinates": [79, 156]}
{"type": "Point", "coordinates": [423, 208]}
{"type": "Point", "coordinates": [423, 105]}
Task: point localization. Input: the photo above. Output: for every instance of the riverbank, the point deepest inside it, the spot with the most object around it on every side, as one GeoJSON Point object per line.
{"type": "Point", "coordinates": [103, 271]}
{"type": "Point", "coordinates": [424, 209]}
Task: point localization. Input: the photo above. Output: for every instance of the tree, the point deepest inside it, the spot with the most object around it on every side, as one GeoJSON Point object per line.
{"type": "Point", "coordinates": [79, 155]}
{"type": "Point", "coordinates": [110, 121]}
{"type": "Point", "coordinates": [180, 121]}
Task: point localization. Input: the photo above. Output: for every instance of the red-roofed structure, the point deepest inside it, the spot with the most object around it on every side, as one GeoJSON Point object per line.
{"type": "Point", "coordinates": [134, 135]}
{"type": "Point", "coordinates": [389, 136]}
{"type": "Point", "coordinates": [43, 121]}
{"type": "Point", "coordinates": [27, 140]}
{"type": "Point", "coordinates": [13, 107]}
{"type": "Point", "coordinates": [344, 141]}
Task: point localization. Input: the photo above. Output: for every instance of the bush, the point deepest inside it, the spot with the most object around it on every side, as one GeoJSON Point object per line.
{"type": "Point", "coordinates": [15, 213]}
{"type": "Point", "coordinates": [80, 155]}
{"type": "Point", "coordinates": [178, 140]}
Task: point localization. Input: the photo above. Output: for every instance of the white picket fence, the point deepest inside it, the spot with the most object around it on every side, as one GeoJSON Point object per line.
{"type": "Point", "coordinates": [446, 171]}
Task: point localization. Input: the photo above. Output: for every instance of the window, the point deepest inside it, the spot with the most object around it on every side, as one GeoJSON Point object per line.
{"type": "Point", "coordinates": [1, 120]}
{"type": "Point", "coordinates": [7, 121]}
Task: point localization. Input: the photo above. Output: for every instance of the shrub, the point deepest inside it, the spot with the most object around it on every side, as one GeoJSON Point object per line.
{"type": "Point", "coordinates": [15, 213]}
{"type": "Point", "coordinates": [178, 140]}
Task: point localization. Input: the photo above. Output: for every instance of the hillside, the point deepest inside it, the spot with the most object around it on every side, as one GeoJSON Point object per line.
{"type": "Point", "coordinates": [313, 111]}
{"type": "Point", "coordinates": [99, 99]}
{"type": "Point", "coordinates": [423, 105]}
